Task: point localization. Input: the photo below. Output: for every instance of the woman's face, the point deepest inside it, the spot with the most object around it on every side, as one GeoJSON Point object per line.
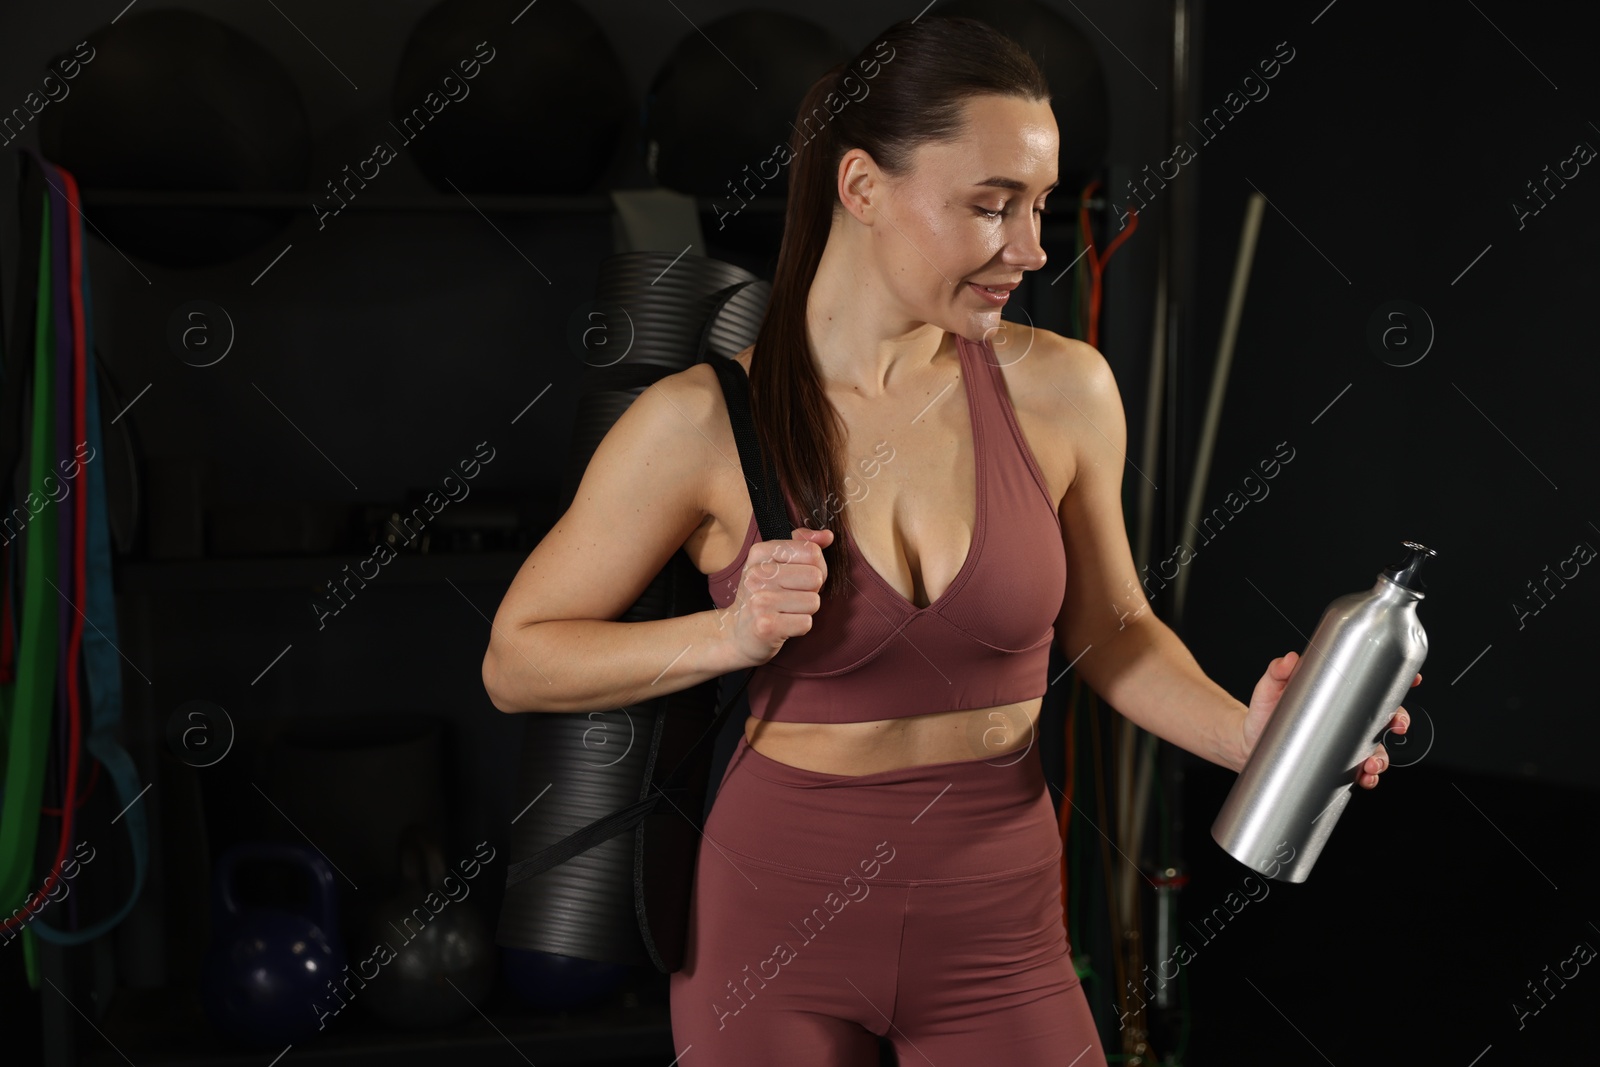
{"type": "Point", "coordinates": [966, 214]}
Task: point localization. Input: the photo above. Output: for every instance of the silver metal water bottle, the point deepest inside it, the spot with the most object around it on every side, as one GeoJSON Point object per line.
{"type": "Point", "coordinates": [1344, 689]}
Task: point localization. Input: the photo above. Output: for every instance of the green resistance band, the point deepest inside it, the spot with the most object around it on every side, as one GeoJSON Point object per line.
{"type": "Point", "coordinates": [26, 705]}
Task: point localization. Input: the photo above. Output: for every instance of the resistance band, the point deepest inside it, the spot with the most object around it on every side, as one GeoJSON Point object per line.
{"type": "Point", "coordinates": [78, 551]}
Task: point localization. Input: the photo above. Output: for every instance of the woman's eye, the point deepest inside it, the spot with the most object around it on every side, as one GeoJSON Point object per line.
{"type": "Point", "coordinates": [1001, 212]}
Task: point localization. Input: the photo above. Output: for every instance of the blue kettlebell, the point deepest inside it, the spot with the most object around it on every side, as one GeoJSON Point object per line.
{"type": "Point", "coordinates": [265, 978]}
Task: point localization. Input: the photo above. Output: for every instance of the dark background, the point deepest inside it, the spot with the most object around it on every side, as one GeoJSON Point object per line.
{"type": "Point", "coordinates": [1391, 150]}
{"type": "Point", "coordinates": [1393, 146]}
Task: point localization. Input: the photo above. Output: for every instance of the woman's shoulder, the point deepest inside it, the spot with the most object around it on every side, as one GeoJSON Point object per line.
{"type": "Point", "coordinates": [1057, 385]}
{"type": "Point", "coordinates": [697, 392]}
{"type": "Point", "coordinates": [1034, 348]}
{"type": "Point", "coordinates": [1044, 370]}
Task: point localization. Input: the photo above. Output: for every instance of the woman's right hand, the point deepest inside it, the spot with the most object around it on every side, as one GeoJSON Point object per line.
{"type": "Point", "coordinates": [778, 594]}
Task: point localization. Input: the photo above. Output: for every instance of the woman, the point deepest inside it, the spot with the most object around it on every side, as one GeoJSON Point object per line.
{"type": "Point", "coordinates": [882, 857]}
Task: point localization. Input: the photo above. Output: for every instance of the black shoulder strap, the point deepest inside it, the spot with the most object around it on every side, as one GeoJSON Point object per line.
{"type": "Point", "coordinates": [759, 474]}
{"type": "Point", "coordinates": [773, 520]}
{"type": "Point", "coordinates": [765, 495]}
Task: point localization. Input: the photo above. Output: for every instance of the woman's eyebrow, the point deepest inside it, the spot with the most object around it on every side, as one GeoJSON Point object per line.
{"type": "Point", "coordinates": [1013, 184]}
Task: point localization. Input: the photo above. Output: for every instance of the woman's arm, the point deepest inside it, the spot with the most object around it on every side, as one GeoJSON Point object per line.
{"type": "Point", "coordinates": [1124, 653]}
{"type": "Point", "coordinates": [1149, 675]}
{"type": "Point", "coordinates": [552, 645]}
{"type": "Point", "coordinates": [595, 665]}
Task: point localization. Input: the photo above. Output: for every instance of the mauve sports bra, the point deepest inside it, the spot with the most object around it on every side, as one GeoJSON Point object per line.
{"type": "Point", "coordinates": [985, 642]}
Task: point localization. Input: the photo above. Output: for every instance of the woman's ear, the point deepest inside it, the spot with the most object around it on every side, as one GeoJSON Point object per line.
{"type": "Point", "coordinates": [860, 183]}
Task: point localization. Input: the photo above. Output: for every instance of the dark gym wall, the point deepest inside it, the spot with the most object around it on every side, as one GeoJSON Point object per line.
{"type": "Point", "coordinates": [1393, 149]}
{"type": "Point", "coordinates": [402, 347]}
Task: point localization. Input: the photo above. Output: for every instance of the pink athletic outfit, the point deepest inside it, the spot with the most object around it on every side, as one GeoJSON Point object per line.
{"type": "Point", "coordinates": [921, 903]}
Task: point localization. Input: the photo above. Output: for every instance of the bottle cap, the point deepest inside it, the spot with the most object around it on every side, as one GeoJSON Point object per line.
{"type": "Point", "coordinates": [1404, 573]}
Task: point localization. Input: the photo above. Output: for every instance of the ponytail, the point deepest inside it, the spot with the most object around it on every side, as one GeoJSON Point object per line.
{"type": "Point", "coordinates": [797, 424]}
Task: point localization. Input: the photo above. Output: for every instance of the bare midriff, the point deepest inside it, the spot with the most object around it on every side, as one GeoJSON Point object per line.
{"type": "Point", "coordinates": [888, 744]}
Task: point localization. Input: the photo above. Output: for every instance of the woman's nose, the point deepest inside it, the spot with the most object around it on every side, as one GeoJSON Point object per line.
{"type": "Point", "coordinates": [1024, 249]}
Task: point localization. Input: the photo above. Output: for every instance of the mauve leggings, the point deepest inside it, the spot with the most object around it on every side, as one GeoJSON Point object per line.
{"type": "Point", "coordinates": [923, 903]}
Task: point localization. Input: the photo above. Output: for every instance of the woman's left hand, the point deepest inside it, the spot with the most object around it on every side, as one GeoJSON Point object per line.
{"type": "Point", "coordinates": [1265, 699]}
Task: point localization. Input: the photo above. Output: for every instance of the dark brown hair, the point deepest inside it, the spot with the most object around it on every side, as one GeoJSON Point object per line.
{"type": "Point", "coordinates": [917, 77]}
